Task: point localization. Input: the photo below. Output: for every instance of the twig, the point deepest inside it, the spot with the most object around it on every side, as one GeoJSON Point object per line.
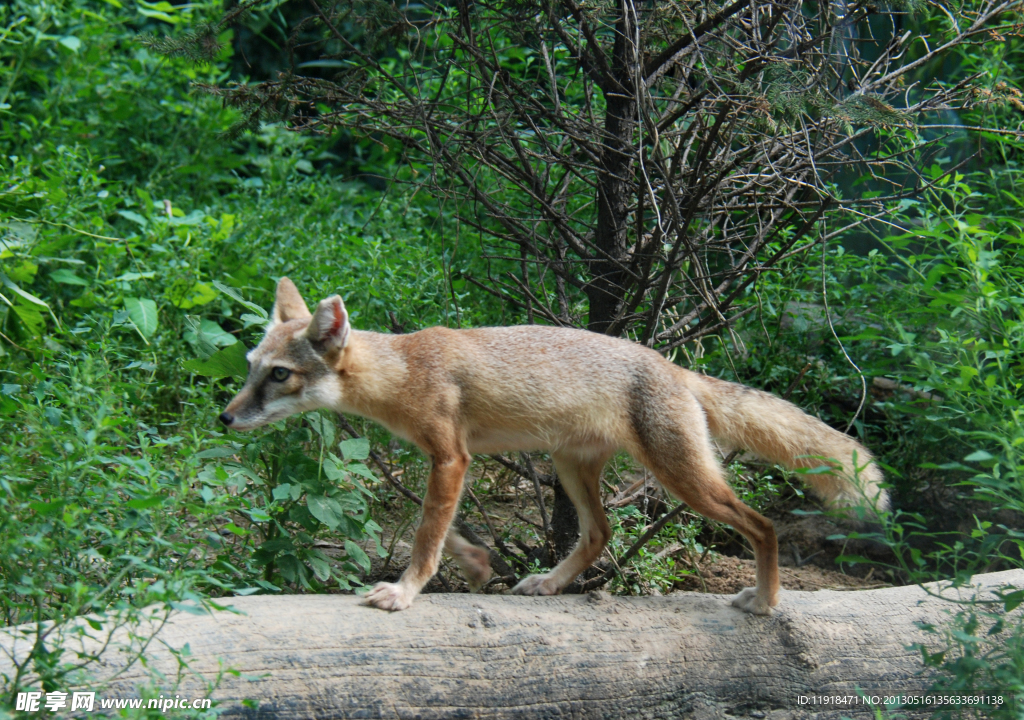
{"type": "Point", "coordinates": [545, 523]}
{"type": "Point", "coordinates": [828, 317]}
{"type": "Point", "coordinates": [653, 530]}
{"type": "Point", "coordinates": [528, 521]}
{"type": "Point", "coordinates": [548, 480]}
{"type": "Point", "coordinates": [799, 377]}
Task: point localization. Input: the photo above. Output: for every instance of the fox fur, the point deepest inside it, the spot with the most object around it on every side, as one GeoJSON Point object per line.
{"type": "Point", "coordinates": [578, 395]}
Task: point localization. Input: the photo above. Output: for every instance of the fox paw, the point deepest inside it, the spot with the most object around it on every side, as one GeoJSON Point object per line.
{"type": "Point", "coordinates": [475, 564]}
{"type": "Point", "coordinates": [535, 585]}
{"type": "Point", "coordinates": [749, 601]}
{"type": "Point", "coordinates": [389, 596]}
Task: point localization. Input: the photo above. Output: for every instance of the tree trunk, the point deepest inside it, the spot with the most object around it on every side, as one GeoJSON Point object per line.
{"type": "Point", "coordinates": [565, 523]}
{"type": "Point", "coordinates": [580, 656]}
{"type": "Point", "coordinates": [607, 288]}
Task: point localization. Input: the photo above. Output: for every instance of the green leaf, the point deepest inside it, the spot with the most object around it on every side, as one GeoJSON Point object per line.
{"type": "Point", "coordinates": [978, 456]}
{"type": "Point", "coordinates": [334, 471]}
{"type": "Point", "coordinates": [233, 294]}
{"type": "Point", "coordinates": [288, 565]}
{"type": "Point", "coordinates": [357, 555]}
{"type": "Point", "coordinates": [144, 503]}
{"type": "Point", "coordinates": [189, 297]}
{"type": "Point", "coordinates": [324, 509]}
{"type": "Point", "coordinates": [47, 508]}
{"type": "Point", "coordinates": [134, 217]}
{"type": "Point", "coordinates": [360, 469]}
{"type": "Point", "coordinates": [282, 491]}
{"type": "Point", "coordinates": [212, 334]}
{"type": "Point", "coordinates": [355, 448]}
{"type": "Point", "coordinates": [217, 452]}
{"type": "Point", "coordinates": [322, 64]}
{"type": "Point", "coordinates": [1012, 600]}
{"type": "Point", "coordinates": [197, 337]}
{"type": "Point", "coordinates": [71, 43]}
{"type": "Point", "coordinates": [142, 312]}
{"type": "Point", "coordinates": [229, 362]}
{"type": "Point", "coordinates": [26, 295]}
{"type": "Point", "coordinates": [133, 276]}
{"type": "Point", "coordinates": [259, 515]}
{"type": "Point", "coordinates": [323, 427]}
{"type": "Point", "coordinates": [67, 277]}
{"type": "Point", "coordinates": [30, 317]}
{"type": "Point", "coordinates": [321, 568]}
{"type": "Point", "coordinates": [277, 545]}
{"type": "Point", "coordinates": [162, 10]}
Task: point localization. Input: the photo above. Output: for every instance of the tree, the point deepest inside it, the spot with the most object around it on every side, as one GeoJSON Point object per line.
{"type": "Point", "coordinates": [634, 167]}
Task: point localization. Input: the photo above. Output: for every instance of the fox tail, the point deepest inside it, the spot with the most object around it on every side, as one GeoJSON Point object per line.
{"type": "Point", "coordinates": [778, 431]}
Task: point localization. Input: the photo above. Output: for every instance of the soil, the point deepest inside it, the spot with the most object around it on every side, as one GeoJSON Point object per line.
{"type": "Point", "coordinates": [728, 575]}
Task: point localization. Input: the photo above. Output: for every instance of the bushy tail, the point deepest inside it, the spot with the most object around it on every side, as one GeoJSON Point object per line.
{"type": "Point", "coordinates": [782, 433]}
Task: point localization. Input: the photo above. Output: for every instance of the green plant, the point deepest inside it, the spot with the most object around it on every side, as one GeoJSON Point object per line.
{"type": "Point", "coordinates": [654, 567]}
{"type": "Point", "coordinates": [294, 499]}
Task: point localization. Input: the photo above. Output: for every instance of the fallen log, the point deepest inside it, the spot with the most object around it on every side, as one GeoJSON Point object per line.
{"type": "Point", "coordinates": [584, 656]}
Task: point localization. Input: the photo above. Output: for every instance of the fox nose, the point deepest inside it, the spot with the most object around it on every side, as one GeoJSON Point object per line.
{"type": "Point", "coordinates": [226, 418]}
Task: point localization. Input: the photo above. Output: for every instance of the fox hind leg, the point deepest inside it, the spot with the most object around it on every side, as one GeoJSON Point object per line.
{"type": "Point", "coordinates": [473, 561]}
{"type": "Point", "coordinates": [715, 499]}
{"type": "Point", "coordinates": [580, 477]}
{"type": "Point", "coordinates": [680, 454]}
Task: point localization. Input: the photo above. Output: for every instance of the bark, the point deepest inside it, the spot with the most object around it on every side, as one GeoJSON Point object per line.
{"type": "Point", "coordinates": [607, 289]}
{"type": "Point", "coordinates": [565, 523]}
{"type": "Point", "coordinates": [571, 656]}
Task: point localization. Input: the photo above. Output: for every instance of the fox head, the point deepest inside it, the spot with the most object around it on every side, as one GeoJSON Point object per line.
{"type": "Point", "coordinates": [295, 366]}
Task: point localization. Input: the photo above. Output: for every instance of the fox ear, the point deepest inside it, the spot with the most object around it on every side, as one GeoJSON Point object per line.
{"type": "Point", "coordinates": [288, 304]}
{"type": "Point", "coordinates": [330, 324]}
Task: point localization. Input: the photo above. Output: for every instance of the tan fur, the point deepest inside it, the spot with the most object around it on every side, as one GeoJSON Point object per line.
{"type": "Point", "coordinates": [578, 395]}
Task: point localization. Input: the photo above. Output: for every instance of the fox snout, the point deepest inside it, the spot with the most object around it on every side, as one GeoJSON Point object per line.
{"type": "Point", "coordinates": [238, 414]}
{"type": "Point", "coordinates": [249, 408]}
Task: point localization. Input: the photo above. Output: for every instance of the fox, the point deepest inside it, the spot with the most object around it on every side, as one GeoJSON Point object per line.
{"type": "Point", "coordinates": [578, 395]}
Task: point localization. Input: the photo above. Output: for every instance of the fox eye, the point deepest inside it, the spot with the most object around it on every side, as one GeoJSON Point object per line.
{"type": "Point", "coordinates": [280, 374]}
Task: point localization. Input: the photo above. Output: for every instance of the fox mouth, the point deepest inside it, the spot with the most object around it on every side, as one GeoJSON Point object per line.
{"type": "Point", "coordinates": [233, 422]}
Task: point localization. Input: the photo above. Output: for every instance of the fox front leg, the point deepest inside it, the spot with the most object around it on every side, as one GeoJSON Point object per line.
{"type": "Point", "coordinates": [443, 490]}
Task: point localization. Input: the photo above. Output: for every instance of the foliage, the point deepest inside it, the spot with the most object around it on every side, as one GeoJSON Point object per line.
{"type": "Point", "coordinates": [980, 654]}
{"type": "Point", "coordinates": [655, 567]}
{"type": "Point", "coordinates": [939, 313]}
{"type": "Point", "coordinates": [132, 282]}
{"type": "Point", "coordinates": [627, 167]}
{"type": "Point", "coordinates": [956, 341]}
{"type": "Point", "coordinates": [79, 79]}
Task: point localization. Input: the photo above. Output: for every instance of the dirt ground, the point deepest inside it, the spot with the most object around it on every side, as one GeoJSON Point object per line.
{"type": "Point", "coordinates": [729, 575]}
